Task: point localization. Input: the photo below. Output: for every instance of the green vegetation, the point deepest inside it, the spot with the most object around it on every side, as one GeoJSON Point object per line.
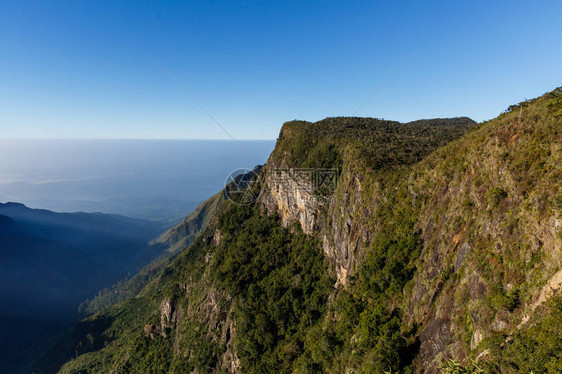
{"type": "Point", "coordinates": [555, 102]}
{"type": "Point", "coordinates": [537, 349]}
{"type": "Point", "coordinates": [500, 299]}
{"type": "Point", "coordinates": [455, 367]}
{"type": "Point", "coordinates": [280, 283]}
{"type": "Point", "coordinates": [496, 195]}
{"type": "Point", "coordinates": [125, 288]}
{"type": "Point", "coordinates": [174, 240]}
{"type": "Point", "coordinates": [364, 328]}
{"type": "Point", "coordinates": [180, 236]}
{"type": "Point", "coordinates": [381, 143]}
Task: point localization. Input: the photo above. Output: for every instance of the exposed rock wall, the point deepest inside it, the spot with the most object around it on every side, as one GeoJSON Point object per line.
{"type": "Point", "coordinates": [338, 218]}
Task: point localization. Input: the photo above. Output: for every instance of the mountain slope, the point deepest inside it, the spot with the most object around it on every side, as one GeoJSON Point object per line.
{"type": "Point", "coordinates": [53, 261]}
{"type": "Point", "coordinates": [181, 235]}
{"type": "Point", "coordinates": [438, 245]}
{"type": "Point", "coordinates": [174, 240]}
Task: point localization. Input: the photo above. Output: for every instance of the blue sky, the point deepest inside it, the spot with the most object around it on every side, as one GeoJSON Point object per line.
{"type": "Point", "coordinates": [82, 69]}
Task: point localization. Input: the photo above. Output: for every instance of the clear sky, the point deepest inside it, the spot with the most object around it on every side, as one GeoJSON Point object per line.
{"type": "Point", "coordinates": [82, 69]}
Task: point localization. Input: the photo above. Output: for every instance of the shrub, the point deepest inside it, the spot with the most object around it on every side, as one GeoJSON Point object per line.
{"type": "Point", "coordinates": [500, 299]}
{"type": "Point", "coordinates": [496, 195]}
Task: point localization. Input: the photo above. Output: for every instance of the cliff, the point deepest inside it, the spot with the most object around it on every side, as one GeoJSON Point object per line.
{"type": "Point", "coordinates": [374, 246]}
{"type": "Point", "coordinates": [353, 150]}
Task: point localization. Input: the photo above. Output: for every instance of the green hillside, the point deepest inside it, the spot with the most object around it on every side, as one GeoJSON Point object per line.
{"type": "Point", "coordinates": [440, 252]}
{"type": "Point", "coordinates": [174, 240]}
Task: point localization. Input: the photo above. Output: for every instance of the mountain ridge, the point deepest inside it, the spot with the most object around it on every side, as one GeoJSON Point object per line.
{"type": "Point", "coordinates": [51, 262]}
{"type": "Point", "coordinates": [174, 240]}
{"type": "Point", "coordinates": [437, 245]}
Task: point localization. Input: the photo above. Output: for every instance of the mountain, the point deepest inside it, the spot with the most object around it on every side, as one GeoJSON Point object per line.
{"type": "Point", "coordinates": [181, 235]}
{"type": "Point", "coordinates": [174, 240]}
{"type": "Point", "coordinates": [53, 261]}
{"type": "Point", "coordinates": [373, 246]}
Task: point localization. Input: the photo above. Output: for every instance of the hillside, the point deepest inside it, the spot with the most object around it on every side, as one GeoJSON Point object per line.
{"type": "Point", "coordinates": [374, 247]}
{"type": "Point", "coordinates": [181, 235]}
{"type": "Point", "coordinates": [174, 240]}
{"type": "Point", "coordinates": [51, 262]}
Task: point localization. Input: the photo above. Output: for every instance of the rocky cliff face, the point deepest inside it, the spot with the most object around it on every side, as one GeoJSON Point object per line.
{"type": "Point", "coordinates": [341, 224]}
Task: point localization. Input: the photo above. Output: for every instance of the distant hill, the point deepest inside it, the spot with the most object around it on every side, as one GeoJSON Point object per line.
{"type": "Point", "coordinates": [50, 262]}
{"type": "Point", "coordinates": [174, 240]}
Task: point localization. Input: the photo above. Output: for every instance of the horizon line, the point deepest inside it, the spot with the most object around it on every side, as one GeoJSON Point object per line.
{"type": "Point", "coordinates": [171, 139]}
